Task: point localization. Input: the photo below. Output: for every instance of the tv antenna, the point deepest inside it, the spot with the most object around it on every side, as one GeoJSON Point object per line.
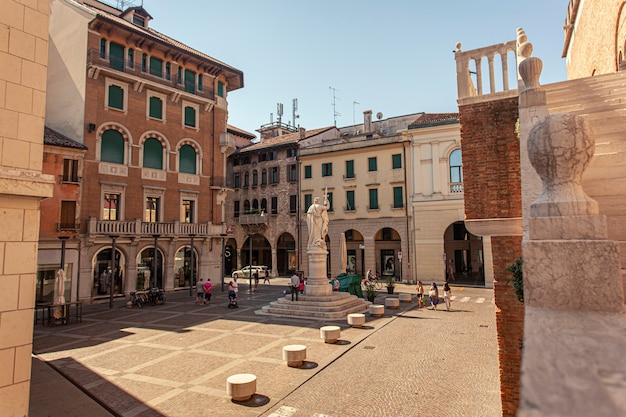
{"type": "Point", "coordinates": [279, 112]}
{"type": "Point", "coordinates": [295, 109]}
{"type": "Point", "coordinates": [335, 98]}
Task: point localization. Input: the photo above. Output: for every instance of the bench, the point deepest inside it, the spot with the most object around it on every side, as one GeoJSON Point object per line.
{"type": "Point", "coordinates": [47, 312]}
{"type": "Point", "coordinates": [404, 297]}
{"type": "Point", "coordinates": [356, 319]}
{"type": "Point", "coordinates": [241, 387]}
{"type": "Point", "coordinates": [392, 302]}
{"type": "Point", "coordinates": [294, 355]}
{"type": "Point", "coordinates": [330, 334]}
{"type": "Point", "coordinates": [376, 310]}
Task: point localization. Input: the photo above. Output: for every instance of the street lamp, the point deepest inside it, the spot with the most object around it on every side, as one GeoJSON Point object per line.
{"type": "Point", "coordinates": [63, 240]}
{"type": "Point", "coordinates": [223, 235]}
{"type": "Point", "coordinates": [250, 261]}
{"type": "Point", "coordinates": [191, 267]}
{"type": "Point", "coordinates": [112, 276]}
{"type": "Point", "coordinates": [154, 262]}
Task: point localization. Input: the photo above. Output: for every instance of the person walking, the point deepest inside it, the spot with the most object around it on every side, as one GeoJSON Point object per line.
{"type": "Point", "coordinates": [433, 294]}
{"type": "Point", "coordinates": [200, 292]}
{"type": "Point", "coordinates": [450, 271]}
{"type": "Point", "coordinates": [256, 279]}
{"type": "Point", "coordinates": [266, 278]}
{"type": "Point", "coordinates": [208, 290]}
{"type": "Point", "coordinates": [446, 295]}
{"type": "Point", "coordinates": [301, 285]}
{"type": "Point", "coordinates": [419, 292]}
{"type": "Point", "coordinates": [295, 286]}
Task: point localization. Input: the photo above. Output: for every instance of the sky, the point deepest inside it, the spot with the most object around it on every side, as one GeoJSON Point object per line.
{"type": "Point", "coordinates": [394, 57]}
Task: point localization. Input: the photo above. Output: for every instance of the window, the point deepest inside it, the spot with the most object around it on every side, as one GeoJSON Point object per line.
{"type": "Point", "coordinates": [220, 89]}
{"type": "Point", "coordinates": [350, 200]}
{"type": "Point", "coordinates": [330, 201]}
{"type": "Point", "coordinates": [116, 97]}
{"type": "Point", "coordinates": [291, 152]}
{"type": "Point", "coordinates": [255, 178]}
{"type": "Point", "coordinates": [350, 169]}
{"type": "Point", "coordinates": [155, 108]}
{"type": "Point", "coordinates": [327, 169]}
{"type": "Point", "coordinates": [190, 116]}
{"type": "Point", "coordinates": [373, 199]}
{"type": "Point", "coordinates": [274, 175]}
{"type": "Point", "coordinates": [200, 82]}
{"type": "Point", "coordinates": [293, 173]}
{"type": "Point", "coordinates": [156, 67]}
{"type": "Point", "coordinates": [264, 205]}
{"type": "Point", "coordinates": [144, 62]}
{"type": "Point", "coordinates": [274, 205]}
{"type": "Point", "coordinates": [246, 180]}
{"type": "Point", "coordinates": [396, 161]}
{"type": "Point", "coordinates": [168, 71]}
{"type": "Point", "coordinates": [456, 166]}
{"type": "Point", "coordinates": [190, 81]}
{"type": "Point", "coordinates": [103, 48]}
{"type": "Point", "coordinates": [70, 170]}
{"type": "Point", "coordinates": [387, 233]}
{"type": "Point", "coordinates": [236, 180]}
{"type": "Point", "coordinates": [236, 209]}
{"type": "Point", "coordinates": [371, 164]}
{"type": "Point", "coordinates": [293, 204]}
{"type": "Point", "coordinates": [307, 171]}
{"type": "Point", "coordinates": [308, 200]}
{"type": "Point", "coordinates": [111, 209]}
{"type": "Point", "coordinates": [116, 56]}
{"type": "Point", "coordinates": [246, 207]}
{"type": "Point", "coordinates": [187, 161]}
{"type": "Point", "coordinates": [152, 154]}
{"type": "Point", "coordinates": [112, 147]}
{"type": "Point", "coordinates": [179, 75]}
{"type": "Point", "coordinates": [130, 58]}
{"type": "Point", "coordinates": [68, 215]}
{"type": "Point", "coordinates": [255, 205]}
{"type": "Point", "coordinates": [139, 20]}
{"type": "Point", "coordinates": [152, 209]}
{"type": "Point", "coordinates": [264, 177]}
{"type": "Point", "coordinates": [398, 202]}
{"type": "Point", "coordinates": [187, 211]}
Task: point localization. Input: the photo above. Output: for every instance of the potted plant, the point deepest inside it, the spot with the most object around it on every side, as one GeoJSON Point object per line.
{"type": "Point", "coordinates": [390, 285]}
{"type": "Point", "coordinates": [370, 292]}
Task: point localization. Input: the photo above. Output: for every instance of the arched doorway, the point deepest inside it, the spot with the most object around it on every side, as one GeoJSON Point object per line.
{"type": "Point", "coordinates": [286, 255]}
{"type": "Point", "coordinates": [230, 261]}
{"type": "Point", "coordinates": [464, 256]}
{"type": "Point", "coordinates": [104, 273]}
{"type": "Point", "coordinates": [388, 244]}
{"type": "Point", "coordinates": [182, 266]}
{"type": "Point", "coordinates": [356, 248]}
{"type": "Point", "coordinates": [145, 269]}
{"type": "Point", "coordinates": [261, 251]}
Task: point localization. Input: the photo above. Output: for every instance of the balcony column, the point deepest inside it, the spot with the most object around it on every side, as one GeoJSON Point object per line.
{"type": "Point", "coordinates": [192, 267]}
{"type": "Point", "coordinates": [112, 276]}
{"type": "Point", "coordinates": [154, 262]}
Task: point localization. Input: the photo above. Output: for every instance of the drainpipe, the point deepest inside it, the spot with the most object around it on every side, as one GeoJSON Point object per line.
{"type": "Point", "coordinates": [406, 208]}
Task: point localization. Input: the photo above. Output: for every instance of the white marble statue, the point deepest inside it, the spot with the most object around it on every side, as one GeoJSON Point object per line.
{"type": "Point", "coordinates": [317, 223]}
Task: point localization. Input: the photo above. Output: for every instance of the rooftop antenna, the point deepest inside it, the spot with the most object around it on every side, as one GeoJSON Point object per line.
{"type": "Point", "coordinates": [279, 112]}
{"type": "Point", "coordinates": [295, 109]}
{"type": "Point", "coordinates": [353, 117]}
{"type": "Point", "coordinates": [335, 112]}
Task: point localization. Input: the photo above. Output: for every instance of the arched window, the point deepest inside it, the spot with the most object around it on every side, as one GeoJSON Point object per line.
{"type": "Point", "coordinates": [264, 205]}
{"type": "Point", "coordinates": [264, 177]}
{"type": "Point", "coordinates": [187, 161]}
{"type": "Point", "coordinates": [255, 204]}
{"type": "Point", "coordinates": [246, 179]}
{"type": "Point", "coordinates": [456, 166]}
{"type": "Point", "coordinates": [152, 154]}
{"type": "Point", "coordinates": [246, 207]}
{"type": "Point", "coordinates": [112, 147]}
{"type": "Point", "coordinates": [255, 177]}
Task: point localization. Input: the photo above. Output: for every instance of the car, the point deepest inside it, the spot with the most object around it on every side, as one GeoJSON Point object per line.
{"type": "Point", "coordinates": [245, 271]}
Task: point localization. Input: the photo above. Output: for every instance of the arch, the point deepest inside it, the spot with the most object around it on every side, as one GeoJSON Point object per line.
{"type": "Point", "coordinates": [145, 272]}
{"type": "Point", "coordinates": [455, 159]}
{"type": "Point", "coordinates": [246, 207]}
{"type": "Point", "coordinates": [255, 204]}
{"type": "Point", "coordinates": [165, 145]}
{"type": "Point", "coordinates": [198, 154]}
{"type": "Point", "coordinates": [152, 154]}
{"type": "Point", "coordinates": [182, 268]}
{"type": "Point", "coordinates": [264, 205]}
{"type": "Point", "coordinates": [103, 272]}
{"type": "Point", "coordinates": [125, 133]}
{"type": "Point", "coordinates": [355, 245]}
{"type": "Point", "coordinates": [187, 160]}
{"type": "Point", "coordinates": [286, 254]}
{"type": "Point", "coordinates": [388, 243]}
{"type": "Point", "coordinates": [464, 255]}
{"type": "Point", "coordinates": [255, 177]}
{"type": "Point", "coordinates": [261, 251]}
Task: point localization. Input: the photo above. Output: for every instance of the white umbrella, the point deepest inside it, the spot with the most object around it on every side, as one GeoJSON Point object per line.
{"type": "Point", "coordinates": [343, 254]}
{"type": "Point", "coordinates": [59, 294]}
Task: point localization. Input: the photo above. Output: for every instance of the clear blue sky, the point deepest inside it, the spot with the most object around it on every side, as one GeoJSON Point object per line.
{"type": "Point", "coordinates": [392, 57]}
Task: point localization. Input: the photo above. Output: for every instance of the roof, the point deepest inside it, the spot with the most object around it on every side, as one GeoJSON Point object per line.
{"type": "Point", "coordinates": [54, 138]}
{"type": "Point", "coordinates": [434, 119]}
{"type": "Point", "coordinates": [240, 132]}
{"type": "Point", "coordinates": [236, 76]}
{"type": "Point", "coordinates": [291, 138]}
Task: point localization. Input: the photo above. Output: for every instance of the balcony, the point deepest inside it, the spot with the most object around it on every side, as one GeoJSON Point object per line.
{"type": "Point", "coordinates": [253, 218]}
{"type": "Point", "coordinates": [456, 187]}
{"type": "Point", "coordinates": [138, 228]}
{"type": "Point", "coordinates": [67, 227]}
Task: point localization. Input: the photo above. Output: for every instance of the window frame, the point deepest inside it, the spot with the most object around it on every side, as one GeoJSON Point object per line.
{"type": "Point", "coordinates": [112, 190]}
{"type": "Point", "coordinates": [398, 197]}
{"type": "Point", "coordinates": [350, 206]}
{"type": "Point", "coordinates": [308, 172]}
{"type": "Point", "coordinates": [373, 199]}
{"type": "Point", "coordinates": [108, 82]}
{"type": "Point", "coordinates": [193, 200]}
{"type": "Point", "coordinates": [372, 164]}
{"type": "Point", "coordinates": [70, 171]}
{"type": "Point", "coordinates": [350, 168]}
{"type": "Point", "coordinates": [396, 161]}
{"type": "Point", "coordinates": [327, 169]}
{"type": "Point", "coordinates": [150, 94]}
{"type": "Point", "coordinates": [196, 108]}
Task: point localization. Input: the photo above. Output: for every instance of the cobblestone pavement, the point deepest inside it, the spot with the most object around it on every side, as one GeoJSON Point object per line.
{"type": "Point", "coordinates": [173, 359]}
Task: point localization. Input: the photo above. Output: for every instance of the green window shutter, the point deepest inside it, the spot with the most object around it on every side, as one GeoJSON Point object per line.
{"type": "Point", "coordinates": [396, 161]}
{"type": "Point", "coordinates": [371, 164]}
{"type": "Point", "coordinates": [350, 200]}
{"type": "Point", "coordinates": [190, 116]}
{"type": "Point", "coordinates": [349, 169]}
{"type": "Point", "coordinates": [307, 171]}
{"type": "Point", "coordinates": [190, 81]}
{"type": "Point", "coordinates": [116, 97]}
{"type": "Point", "coordinates": [156, 67]}
{"type": "Point", "coordinates": [156, 108]}
{"type": "Point", "coordinates": [153, 154]}
{"type": "Point", "coordinates": [116, 56]}
{"type": "Point", "coordinates": [373, 199]}
{"type": "Point", "coordinates": [330, 201]}
{"type": "Point", "coordinates": [187, 159]}
{"type": "Point", "coordinates": [220, 89]}
{"type": "Point", "coordinates": [397, 197]}
{"type": "Point", "coordinates": [308, 200]}
{"type": "Point", "coordinates": [200, 82]}
{"type": "Point", "coordinates": [103, 46]}
{"type": "Point", "coordinates": [112, 147]}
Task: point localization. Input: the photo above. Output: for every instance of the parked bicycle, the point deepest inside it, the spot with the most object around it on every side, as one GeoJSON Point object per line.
{"type": "Point", "coordinates": [153, 296]}
{"type": "Point", "coordinates": [372, 281]}
{"type": "Point", "coordinates": [138, 298]}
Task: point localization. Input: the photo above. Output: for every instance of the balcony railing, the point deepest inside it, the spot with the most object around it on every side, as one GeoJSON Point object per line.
{"type": "Point", "coordinates": [140, 228]}
{"type": "Point", "coordinates": [67, 227]}
{"type": "Point", "coordinates": [253, 218]}
{"type": "Point", "coordinates": [456, 187]}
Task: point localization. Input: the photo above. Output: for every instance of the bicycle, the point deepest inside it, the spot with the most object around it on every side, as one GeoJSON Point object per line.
{"type": "Point", "coordinates": [372, 281]}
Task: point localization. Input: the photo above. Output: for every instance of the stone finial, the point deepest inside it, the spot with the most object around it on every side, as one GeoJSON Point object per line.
{"type": "Point", "coordinates": [457, 47]}
{"type": "Point", "coordinates": [560, 147]}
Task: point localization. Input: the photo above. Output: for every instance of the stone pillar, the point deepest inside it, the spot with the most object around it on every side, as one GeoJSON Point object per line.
{"type": "Point", "coordinates": [317, 281]}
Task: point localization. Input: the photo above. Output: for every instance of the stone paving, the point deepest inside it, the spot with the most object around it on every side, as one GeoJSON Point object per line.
{"type": "Point", "coordinates": [173, 359]}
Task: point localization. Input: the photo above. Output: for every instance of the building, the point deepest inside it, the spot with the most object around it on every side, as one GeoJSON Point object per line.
{"type": "Point", "coordinates": [152, 113]}
{"type": "Point", "coordinates": [22, 185]}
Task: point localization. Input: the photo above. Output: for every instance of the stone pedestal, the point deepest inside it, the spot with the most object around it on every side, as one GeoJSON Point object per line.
{"type": "Point", "coordinates": [317, 281]}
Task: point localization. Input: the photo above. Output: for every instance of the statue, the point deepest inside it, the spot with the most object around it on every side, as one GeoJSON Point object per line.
{"type": "Point", "coordinates": [317, 223]}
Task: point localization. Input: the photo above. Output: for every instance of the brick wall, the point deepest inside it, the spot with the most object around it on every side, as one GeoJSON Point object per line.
{"type": "Point", "coordinates": [492, 189]}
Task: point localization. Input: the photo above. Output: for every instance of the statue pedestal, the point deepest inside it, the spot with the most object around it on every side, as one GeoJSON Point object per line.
{"type": "Point", "coordinates": [317, 281]}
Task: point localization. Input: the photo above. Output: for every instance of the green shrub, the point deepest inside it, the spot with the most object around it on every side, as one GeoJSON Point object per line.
{"type": "Point", "coordinates": [517, 278]}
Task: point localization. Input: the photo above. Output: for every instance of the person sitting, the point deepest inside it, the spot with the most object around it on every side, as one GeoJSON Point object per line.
{"type": "Point", "coordinates": [336, 284]}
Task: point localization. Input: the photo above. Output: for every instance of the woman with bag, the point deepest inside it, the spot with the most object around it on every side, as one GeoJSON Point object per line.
{"type": "Point", "coordinates": [433, 294]}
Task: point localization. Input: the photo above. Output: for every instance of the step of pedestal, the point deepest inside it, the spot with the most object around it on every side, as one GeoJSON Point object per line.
{"type": "Point", "coordinates": [311, 306]}
{"type": "Point", "coordinates": [303, 312]}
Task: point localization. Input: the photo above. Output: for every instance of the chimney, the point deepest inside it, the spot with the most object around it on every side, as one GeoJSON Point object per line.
{"type": "Point", "coordinates": [302, 131]}
{"type": "Point", "coordinates": [367, 121]}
